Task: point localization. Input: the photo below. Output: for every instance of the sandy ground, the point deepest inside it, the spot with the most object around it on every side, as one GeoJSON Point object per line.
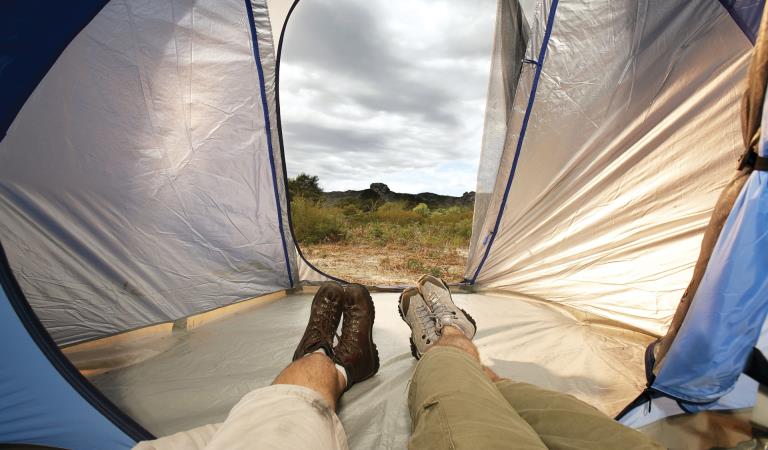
{"type": "Point", "coordinates": [388, 265]}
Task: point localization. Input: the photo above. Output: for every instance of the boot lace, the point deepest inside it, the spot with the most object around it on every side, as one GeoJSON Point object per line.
{"type": "Point", "coordinates": [348, 341]}
{"type": "Point", "coordinates": [442, 315]}
{"type": "Point", "coordinates": [322, 321]}
{"type": "Point", "coordinates": [429, 321]}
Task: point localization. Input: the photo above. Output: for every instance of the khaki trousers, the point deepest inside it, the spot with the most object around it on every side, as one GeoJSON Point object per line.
{"type": "Point", "coordinates": [454, 405]}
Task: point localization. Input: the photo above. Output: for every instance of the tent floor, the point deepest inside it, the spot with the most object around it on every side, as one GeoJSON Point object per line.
{"type": "Point", "coordinates": [193, 377]}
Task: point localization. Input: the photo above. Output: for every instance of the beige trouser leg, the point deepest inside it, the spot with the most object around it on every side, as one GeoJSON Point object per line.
{"type": "Point", "coordinates": [564, 422]}
{"type": "Point", "coordinates": [454, 405]}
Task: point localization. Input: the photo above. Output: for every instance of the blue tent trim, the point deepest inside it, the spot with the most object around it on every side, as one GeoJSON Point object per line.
{"type": "Point", "coordinates": [531, 99]}
{"type": "Point", "coordinates": [46, 399]}
{"type": "Point", "coordinates": [32, 36]}
{"type": "Point", "coordinates": [746, 14]}
{"type": "Point", "coordinates": [265, 108]}
{"type": "Point", "coordinates": [730, 307]}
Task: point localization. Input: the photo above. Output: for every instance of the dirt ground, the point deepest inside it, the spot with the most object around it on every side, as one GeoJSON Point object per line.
{"type": "Point", "coordinates": [387, 265]}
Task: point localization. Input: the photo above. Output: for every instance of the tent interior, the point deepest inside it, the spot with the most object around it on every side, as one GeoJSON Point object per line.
{"type": "Point", "coordinates": [146, 221]}
{"type": "Point", "coordinates": [176, 377]}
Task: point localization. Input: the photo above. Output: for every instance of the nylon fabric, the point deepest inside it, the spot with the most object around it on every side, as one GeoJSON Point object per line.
{"type": "Point", "coordinates": [751, 113]}
{"type": "Point", "coordinates": [266, 66]}
{"type": "Point", "coordinates": [632, 136]}
{"type": "Point", "coordinates": [510, 40]}
{"type": "Point", "coordinates": [136, 182]}
{"type": "Point", "coordinates": [728, 313]}
{"type": "Point", "coordinates": [278, 12]}
{"type": "Point", "coordinates": [39, 406]}
{"type": "Point", "coordinates": [27, 54]}
{"type": "Point", "coordinates": [746, 14]}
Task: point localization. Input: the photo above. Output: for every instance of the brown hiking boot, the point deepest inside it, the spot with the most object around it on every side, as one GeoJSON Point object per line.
{"type": "Point", "coordinates": [324, 318]}
{"type": "Point", "coordinates": [356, 351]}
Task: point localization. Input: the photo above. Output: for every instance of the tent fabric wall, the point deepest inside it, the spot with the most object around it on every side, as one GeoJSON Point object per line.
{"type": "Point", "coordinates": [509, 46]}
{"type": "Point", "coordinates": [139, 179]}
{"type": "Point", "coordinates": [751, 118]}
{"type": "Point", "coordinates": [266, 65]}
{"type": "Point", "coordinates": [632, 135]}
{"type": "Point", "coordinates": [39, 406]}
{"type": "Point", "coordinates": [729, 310]}
{"type": "Point", "coordinates": [28, 54]}
{"type": "Point", "coordinates": [746, 14]}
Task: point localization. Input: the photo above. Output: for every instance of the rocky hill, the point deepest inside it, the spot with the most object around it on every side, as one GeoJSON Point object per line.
{"type": "Point", "coordinates": [381, 192]}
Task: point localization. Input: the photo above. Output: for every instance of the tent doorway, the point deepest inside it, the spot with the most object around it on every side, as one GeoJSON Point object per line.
{"type": "Point", "coordinates": [381, 123]}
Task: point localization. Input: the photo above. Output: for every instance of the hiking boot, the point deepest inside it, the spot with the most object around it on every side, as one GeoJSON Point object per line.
{"type": "Point", "coordinates": [415, 312]}
{"type": "Point", "coordinates": [324, 319]}
{"type": "Point", "coordinates": [438, 298]}
{"type": "Point", "coordinates": [356, 351]}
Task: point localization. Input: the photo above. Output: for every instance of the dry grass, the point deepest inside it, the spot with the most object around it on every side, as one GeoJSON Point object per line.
{"type": "Point", "coordinates": [387, 265]}
{"type": "Point", "coordinates": [391, 245]}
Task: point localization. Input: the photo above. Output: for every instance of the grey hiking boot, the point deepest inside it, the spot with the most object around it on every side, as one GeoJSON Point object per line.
{"type": "Point", "coordinates": [437, 296]}
{"type": "Point", "coordinates": [414, 311]}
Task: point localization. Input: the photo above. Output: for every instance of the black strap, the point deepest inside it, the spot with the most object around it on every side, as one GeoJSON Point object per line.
{"type": "Point", "coordinates": [757, 367]}
{"type": "Point", "coordinates": [757, 162]}
{"type": "Point", "coordinates": [761, 163]}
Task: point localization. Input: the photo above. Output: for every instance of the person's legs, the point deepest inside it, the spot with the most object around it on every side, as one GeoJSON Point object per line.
{"type": "Point", "coordinates": [317, 372]}
{"type": "Point", "coordinates": [454, 400]}
{"type": "Point", "coordinates": [564, 422]}
{"type": "Point", "coordinates": [297, 410]}
{"type": "Point", "coordinates": [454, 405]}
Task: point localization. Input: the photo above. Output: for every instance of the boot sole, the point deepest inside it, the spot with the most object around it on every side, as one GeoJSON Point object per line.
{"type": "Point", "coordinates": [377, 362]}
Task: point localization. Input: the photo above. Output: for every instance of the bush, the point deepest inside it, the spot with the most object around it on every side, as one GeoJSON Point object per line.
{"type": "Point", "coordinates": [396, 213]}
{"type": "Point", "coordinates": [422, 209]}
{"type": "Point", "coordinates": [314, 224]}
{"type": "Point", "coordinates": [305, 186]}
{"type": "Point", "coordinates": [392, 223]}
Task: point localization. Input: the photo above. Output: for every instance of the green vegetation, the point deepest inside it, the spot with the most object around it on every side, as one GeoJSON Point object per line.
{"type": "Point", "coordinates": [400, 237]}
{"type": "Point", "coordinates": [305, 186]}
{"type": "Point", "coordinates": [392, 223]}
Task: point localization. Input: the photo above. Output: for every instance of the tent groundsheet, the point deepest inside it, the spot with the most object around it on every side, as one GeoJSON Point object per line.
{"type": "Point", "coordinates": [193, 377]}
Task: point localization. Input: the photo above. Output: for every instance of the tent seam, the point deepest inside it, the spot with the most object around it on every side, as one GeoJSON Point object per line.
{"type": "Point", "coordinates": [262, 88]}
{"type": "Point", "coordinates": [518, 149]}
{"type": "Point", "coordinates": [740, 22]}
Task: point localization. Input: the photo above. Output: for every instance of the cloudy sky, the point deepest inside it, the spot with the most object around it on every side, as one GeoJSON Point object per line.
{"type": "Point", "coordinates": [386, 91]}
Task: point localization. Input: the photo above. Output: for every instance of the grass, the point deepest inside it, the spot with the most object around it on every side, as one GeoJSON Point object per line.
{"type": "Point", "coordinates": [391, 244]}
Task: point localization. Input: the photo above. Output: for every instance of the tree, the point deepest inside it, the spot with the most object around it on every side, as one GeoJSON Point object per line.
{"type": "Point", "coordinates": [305, 186]}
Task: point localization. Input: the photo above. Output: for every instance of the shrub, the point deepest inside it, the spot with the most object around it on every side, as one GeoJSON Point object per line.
{"type": "Point", "coordinates": [314, 224]}
{"type": "Point", "coordinates": [436, 272]}
{"type": "Point", "coordinates": [414, 265]}
{"type": "Point", "coordinates": [305, 186]}
{"type": "Point", "coordinates": [396, 213]}
{"type": "Point", "coordinates": [421, 209]}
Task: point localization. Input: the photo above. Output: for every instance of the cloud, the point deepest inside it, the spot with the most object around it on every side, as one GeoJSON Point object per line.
{"type": "Point", "coordinates": [386, 91]}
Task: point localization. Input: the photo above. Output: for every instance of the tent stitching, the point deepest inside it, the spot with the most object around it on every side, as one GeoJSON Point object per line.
{"type": "Point", "coordinates": [268, 129]}
{"type": "Point", "coordinates": [532, 98]}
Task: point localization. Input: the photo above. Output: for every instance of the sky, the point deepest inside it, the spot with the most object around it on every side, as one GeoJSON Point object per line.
{"type": "Point", "coordinates": [388, 91]}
